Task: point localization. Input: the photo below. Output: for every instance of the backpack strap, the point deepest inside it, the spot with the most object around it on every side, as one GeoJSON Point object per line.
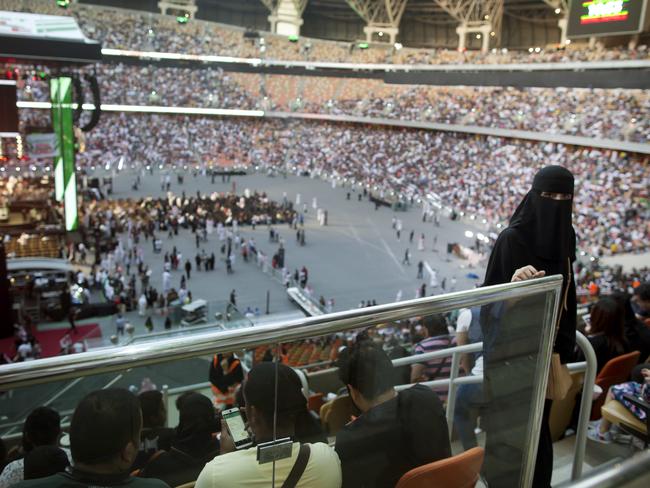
{"type": "Point", "coordinates": [298, 467]}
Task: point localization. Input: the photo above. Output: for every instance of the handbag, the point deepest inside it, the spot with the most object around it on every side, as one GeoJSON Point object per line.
{"type": "Point", "coordinates": [559, 378]}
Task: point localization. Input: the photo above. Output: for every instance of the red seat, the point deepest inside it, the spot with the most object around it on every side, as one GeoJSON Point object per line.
{"type": "Point", "coordinates": [615, 372]}
{"type": "Point", "coordinates": [460, 471]}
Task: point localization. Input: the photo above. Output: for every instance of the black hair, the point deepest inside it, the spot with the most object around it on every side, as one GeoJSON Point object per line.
{"type": "Point", "coordinates": [436, 325]}
{"type": "Point", "coordinates": [259, 391]}
{"type": "Point", "coordinates": [42, 427]}
{"type": "Point", "coordinates": [636, 375]}
{"type": "Point", "coordinates": [367, 368]}
{"type": "Point", "coordinates": [195, 410]}
{"type": "Point", "coordinates": [608, 318]}
{"type": "Point", "coordinates": [197, 422]}
{"type": "Point", "coordinates": [45, 461]}
{"type": "Point", "coordinates": [103, 424]}
{"type": "Point", "coordinates": [643, 291]}
{"type": "Point", "coordinates": [151, 404]}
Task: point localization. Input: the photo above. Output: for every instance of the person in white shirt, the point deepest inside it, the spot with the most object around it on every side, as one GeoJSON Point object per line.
{"type": "Point", "coordinates": [469, 397]}
{"type": "Point", "coordinates": [240, 468]}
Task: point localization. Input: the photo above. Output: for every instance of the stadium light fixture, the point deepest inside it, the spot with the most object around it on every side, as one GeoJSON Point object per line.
{"type": "Point", "coordinates": [558, 11]}
{"type": "Point", "coordinates": [398, 45]}
{"type": "Point", "coordinates": [478, 36]}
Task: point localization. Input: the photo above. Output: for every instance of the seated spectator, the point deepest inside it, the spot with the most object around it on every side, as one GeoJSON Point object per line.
{"type": "Point", "coordinates": [155, 436]}
{"type": "Point", "coordinates": [226, 374]}
{"type": "Point", "coordinates": [606, 332]}
{"type": "Point", "coordinates": [603, 431]}
{"type": "Point", "coordinates": [637, 327]}
{"type": "Point", "coordinates": [308, 427]}
{"type": "Point", "coordinates": [437, 338]}
{"type": "Point", "coordinates": [395, 432]}
{"type": "Point", "coordinates": [240, 468]}
{"type": "Point", "coordinates": [45, 461]}
{"type": "Point", "coordinates": [104, 440]}
{"type": "Point", "coordinates": [42, 428]}
{"type": "Point", "coordinates": [194, 443]}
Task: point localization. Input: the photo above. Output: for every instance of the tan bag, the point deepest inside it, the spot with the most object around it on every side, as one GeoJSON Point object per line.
{"type": "Point", "coordinates": [559, 378]}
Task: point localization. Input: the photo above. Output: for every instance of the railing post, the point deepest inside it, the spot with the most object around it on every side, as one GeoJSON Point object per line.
{"type": "Point", "coordinates": [451, 395]}
{"type": "Point", "coordinates": [585, 404]}
{"type": "Point", "coordinates": [165, 395]}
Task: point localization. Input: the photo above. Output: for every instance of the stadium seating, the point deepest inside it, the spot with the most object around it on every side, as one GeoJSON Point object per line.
{"type": "Point", "coordinates": [616, 371]}
{"type": "Point", "coordinates": [460, 471]}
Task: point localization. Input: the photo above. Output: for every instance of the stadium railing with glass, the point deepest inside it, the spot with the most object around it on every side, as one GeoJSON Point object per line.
{"type": "Point", "coordinates": [529, 388]}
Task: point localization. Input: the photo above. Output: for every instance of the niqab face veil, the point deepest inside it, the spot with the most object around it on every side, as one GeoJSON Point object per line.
{"type": "Point", "coordinates": [545, 223]}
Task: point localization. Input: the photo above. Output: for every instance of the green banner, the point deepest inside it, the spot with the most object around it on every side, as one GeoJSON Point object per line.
{"type": "Point", "coordinates": [65, 181]}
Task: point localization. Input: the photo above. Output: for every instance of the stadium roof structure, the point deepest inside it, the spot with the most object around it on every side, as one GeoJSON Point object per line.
{"type": "Point", "coordinates": [46, 39]}
{"type": "Point", "coordinates": [430, 11]}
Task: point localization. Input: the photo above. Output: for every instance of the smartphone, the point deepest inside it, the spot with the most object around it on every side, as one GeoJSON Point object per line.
{"type": "Point", "coordinates": [237, 428]}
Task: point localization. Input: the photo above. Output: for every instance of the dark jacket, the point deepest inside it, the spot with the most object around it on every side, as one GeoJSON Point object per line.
{"type": "Point", "coordinates": [390, 439]}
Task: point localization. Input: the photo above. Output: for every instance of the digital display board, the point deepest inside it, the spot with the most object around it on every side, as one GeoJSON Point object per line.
{"type": "Point", "coordinates": [605, 17]}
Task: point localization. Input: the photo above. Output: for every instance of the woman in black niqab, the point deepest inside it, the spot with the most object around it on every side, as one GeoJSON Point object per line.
{"type": "Point", "coordinates": [540, 240]}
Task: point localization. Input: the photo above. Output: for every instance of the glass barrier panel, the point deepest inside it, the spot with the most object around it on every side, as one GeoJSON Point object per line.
{"type": "Point", "coordinates": [374, 392]}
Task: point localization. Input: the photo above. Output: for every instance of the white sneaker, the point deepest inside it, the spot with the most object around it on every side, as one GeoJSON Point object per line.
{"type": "Point", "coordinates": [596, 435]}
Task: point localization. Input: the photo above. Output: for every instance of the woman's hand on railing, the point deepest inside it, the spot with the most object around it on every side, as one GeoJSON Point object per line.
{"type": "Point", "coordinates": [527, 273]}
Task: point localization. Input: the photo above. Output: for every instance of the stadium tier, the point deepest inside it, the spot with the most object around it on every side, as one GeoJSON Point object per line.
{"type": "Point", "coordinates": [413, 252]}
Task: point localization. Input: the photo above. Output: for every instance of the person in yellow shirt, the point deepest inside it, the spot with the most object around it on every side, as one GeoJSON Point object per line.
{"type": "Point", "coordinates": [240, 469]}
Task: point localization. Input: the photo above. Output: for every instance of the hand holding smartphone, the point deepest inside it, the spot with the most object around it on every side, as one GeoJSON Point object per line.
{"type": "Point", "coordinates": [237, 428]}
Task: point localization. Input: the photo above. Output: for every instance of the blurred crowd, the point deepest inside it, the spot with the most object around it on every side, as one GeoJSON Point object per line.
{"type": "Point", "coordinates": [457, 170]}
{"type": "Point", "coordinates": [124, 29]}
{"type": "Point", "coordinates": [617, 114]}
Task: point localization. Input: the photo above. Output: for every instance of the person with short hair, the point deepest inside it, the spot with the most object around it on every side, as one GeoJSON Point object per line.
{"type": "Point", "coordinates": [155, 436]}
{"type": "Point", "coordinates": [437, 338]}
{"type": "Point", "coordinates": [42, 427]}
{"type": "Point", "coordinates": [104, 440]}
{"type": "Point", "coordinates": [396, 432]}
{"type": "Point", "coordinates": [240, 468]}
{"type": "Point", "coordinates": [194, 443]}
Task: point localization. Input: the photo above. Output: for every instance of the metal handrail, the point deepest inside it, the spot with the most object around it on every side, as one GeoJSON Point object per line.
{"type": "Point", "coordinates": [167, 350]}
{"type": "Point", "coordinates": [632, 472]}
{"type": "Point", "coordinates": [588, 366]}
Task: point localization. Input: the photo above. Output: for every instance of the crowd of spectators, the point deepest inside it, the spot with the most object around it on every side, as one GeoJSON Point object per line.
{"type": "Point", "coordinates": [611, 201]}
{"type": "Point", "coordinates": [598, 113]}
{"type": "Point", "coordinates": [137, 30]}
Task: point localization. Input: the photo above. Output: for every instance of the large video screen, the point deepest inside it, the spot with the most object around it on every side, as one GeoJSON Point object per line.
{"type": "Point", "coordinates": [605, 17]}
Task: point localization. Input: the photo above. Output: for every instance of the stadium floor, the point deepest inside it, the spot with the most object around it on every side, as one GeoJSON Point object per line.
{"type": "Point", "coordinates": [355, 257]}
